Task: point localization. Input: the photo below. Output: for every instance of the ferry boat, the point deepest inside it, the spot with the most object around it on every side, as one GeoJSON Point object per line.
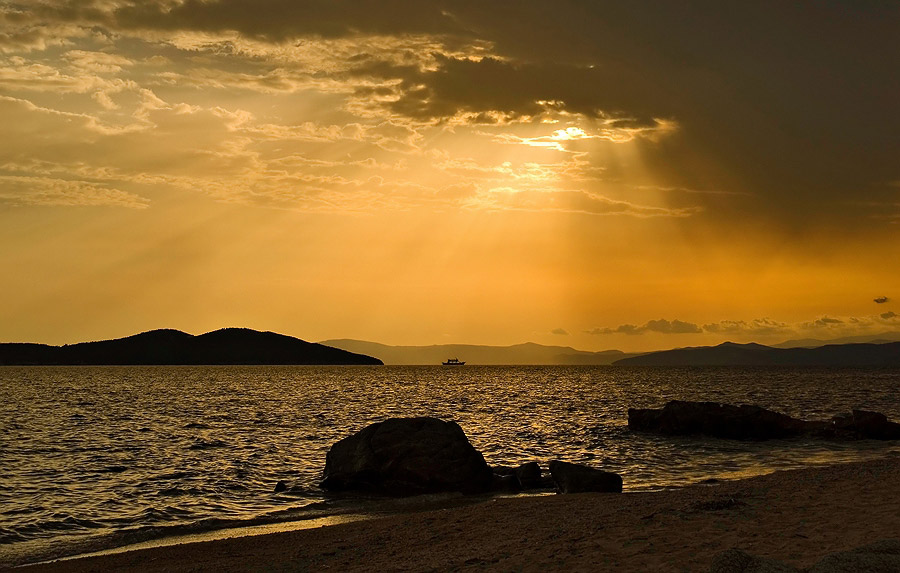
{"type": "Point", "coordinates": [453, 362]}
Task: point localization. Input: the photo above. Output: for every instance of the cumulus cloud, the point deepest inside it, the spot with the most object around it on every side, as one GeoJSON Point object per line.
{"type": "Point", "coordinates": [661, 326]}
{"type": "Point", "coordinates": [881, 300]}
{"type": "Point", "coordinates": [560, 331]}
{"type": "Point", "coordinates": [759, 326]}
{"type": "Point", "coordinates": [764, 327]}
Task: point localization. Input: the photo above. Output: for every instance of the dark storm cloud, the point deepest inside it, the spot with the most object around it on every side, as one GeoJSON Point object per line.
{"type": "Point", "coordinates": [520, 89]}
{"type": "Point", "coordinates": [286, 19]}
{"type": "Point", "coordinates": [881, 300]}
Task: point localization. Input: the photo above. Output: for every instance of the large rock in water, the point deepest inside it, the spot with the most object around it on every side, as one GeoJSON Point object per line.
{"type": "Point", "coordinates": [407, 456]}
{"type": "Point", "coordinates": [718, 420]}
{"type": "Point", "coordinates": [575, 478]}
{"type": "Point", "coordinates": [754, 423]}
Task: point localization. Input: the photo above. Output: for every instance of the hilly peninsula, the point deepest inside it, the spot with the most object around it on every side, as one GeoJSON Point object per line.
{"type": "Point", "coordinates": [731, 354]}
{"type": "Point", "coordinates": [173, 347]}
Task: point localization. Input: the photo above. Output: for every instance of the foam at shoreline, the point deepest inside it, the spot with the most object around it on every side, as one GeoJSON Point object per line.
{"type": "Point", "coordinates": [797, 516]}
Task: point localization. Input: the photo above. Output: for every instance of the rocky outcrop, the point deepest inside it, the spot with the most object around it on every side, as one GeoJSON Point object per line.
{"type": "Point", "coordinates": [574, 478]}
{"type": "Point", "coordinates": [755, 423]}
{"type": "Point", "coordinates": [713, 419]}
{"type": "Point", "coordinates": [407, 456]}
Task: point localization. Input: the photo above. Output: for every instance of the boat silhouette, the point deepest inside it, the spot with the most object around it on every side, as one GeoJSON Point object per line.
{"type": "Point", "coordinates": [453, 362]}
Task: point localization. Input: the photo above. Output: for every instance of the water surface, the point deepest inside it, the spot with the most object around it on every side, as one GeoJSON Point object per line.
{"type": "Point", "coordinates": [101, 456]}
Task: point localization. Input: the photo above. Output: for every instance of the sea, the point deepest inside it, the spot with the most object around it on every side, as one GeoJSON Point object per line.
{"type": "Point", "coordinates": [93, 458]}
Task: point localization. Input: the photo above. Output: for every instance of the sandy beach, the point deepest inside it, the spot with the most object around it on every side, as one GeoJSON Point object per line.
{"type": "Point", "coordinates": [794, 516]}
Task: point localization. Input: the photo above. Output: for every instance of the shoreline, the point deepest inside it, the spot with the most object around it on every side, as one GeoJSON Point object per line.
{"type": "Point", "coordinates": [796, 516]}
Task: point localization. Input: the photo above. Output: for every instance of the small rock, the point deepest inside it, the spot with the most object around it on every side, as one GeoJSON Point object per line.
{"type": "Point", "coordinates": [505, 483]}
{"type": "Point", "coordinates": [574, 478]}
{"type": "Point", "coordinates": [529, 475]}
{"type": "Point", "coordinates": [280, 486]}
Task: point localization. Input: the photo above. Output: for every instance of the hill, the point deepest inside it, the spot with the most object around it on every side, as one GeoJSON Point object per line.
{"type": "Point", "coordinates": [518, 354]}
{"type": "Point", "coordinates": [225, 346]}
{"type": "Point", "coordinates": [731, 354]}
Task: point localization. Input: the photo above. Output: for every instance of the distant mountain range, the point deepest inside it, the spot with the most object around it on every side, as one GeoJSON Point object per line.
{"type": "Point", "coordinates": [814, 342]}
{"type": "Point", "coordinates": [731, 354]}
{"type": "Point", "coordinates": [225, 346]}
{"type": "Point", "coordinates": [245, 346]}
{"type": "Point", "coordinates": [522, 354]}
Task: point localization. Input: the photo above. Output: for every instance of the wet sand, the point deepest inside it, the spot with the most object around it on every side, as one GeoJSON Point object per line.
{"type": "Point", "coordinates": [794, 516]}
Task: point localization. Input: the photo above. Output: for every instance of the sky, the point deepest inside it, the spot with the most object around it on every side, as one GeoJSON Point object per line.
{"type": "Point", "coordinates": [632, 175]}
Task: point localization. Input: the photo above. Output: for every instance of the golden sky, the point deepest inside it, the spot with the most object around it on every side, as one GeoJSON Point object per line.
{"type": "Point", "coordinates": [632, 175]}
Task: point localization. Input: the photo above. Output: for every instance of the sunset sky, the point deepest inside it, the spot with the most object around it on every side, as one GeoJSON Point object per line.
{"type": "Point", "coordinates": [631, 175]}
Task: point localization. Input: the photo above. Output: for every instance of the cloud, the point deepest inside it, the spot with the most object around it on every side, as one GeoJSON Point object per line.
{"type": "Point", "coordinates": [888, 315]}
{"type": "Point", "coordinates": [823, 322]}
{"type": "Point", "coordinates": [560, 331]}
{"type": "Point", "coordinates": [60, 192]}
{"type": "Point", "coordinates": [881, 300]}
{"type": "Point", "coordinates": [510, 198]}
{"type": "Point", "coordinates": [759, 326]}
{"type": "Point", "coordinates": [716, 90]}
{"type": "Point", "coordinates": [661, 326]}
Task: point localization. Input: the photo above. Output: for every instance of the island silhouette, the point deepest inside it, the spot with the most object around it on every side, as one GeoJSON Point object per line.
{"type": "Point", "coordinates": [732, 354]}
{"type": "Point", "coordinates": [174, 347]}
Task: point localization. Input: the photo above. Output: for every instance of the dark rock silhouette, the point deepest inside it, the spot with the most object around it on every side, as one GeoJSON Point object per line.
{"type": "Point", "coordinates": [747, 422]}
{"type": "Point", "coordinates": [225, 346]}
{"type": "Point", "coordinates": [529, 475]}
{"type": "Point", "coordinates": [280, 486]}
{"type": "Point", "coordinates": [863, 425]}
{"type": "Point", "coordinates": [407, 456]}
{"type": "Point", "coordinates": [507, 483]}
{"type": "Point", "coordinates": [713, 419]}
{"type": "Point", "coordinates": [526, 476]}
{"type": "Point", "coordinates": [731, 354]}
{"type": "Point", "coordinates": [574, 478]}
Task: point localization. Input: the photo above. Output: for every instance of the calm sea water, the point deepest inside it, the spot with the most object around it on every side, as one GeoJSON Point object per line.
{"type": "Point", "coordinates": [101, 456]}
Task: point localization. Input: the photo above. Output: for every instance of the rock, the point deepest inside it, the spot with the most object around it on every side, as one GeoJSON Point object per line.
{"type": "Point", "coordinates": [754, 423]}
{"type": "Point", "coordinates": [574, 478]}
{"type": "Point", "coordinates": [717, 420]}
{"type": "Point", "coordinates": [280, 486]}
{"type": "Point", "coordinates": [508, 483]}
{"type": "Point", "coordinates": [880, 557]}
{"type": "Point", "coordinates": [407, 456]}
{"type": "Point", "coordinates": [737, 561]}
{"type": "Point", "coordinates": [529, 475]}
{"type": "Point", "coordinates": [863, 425]}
